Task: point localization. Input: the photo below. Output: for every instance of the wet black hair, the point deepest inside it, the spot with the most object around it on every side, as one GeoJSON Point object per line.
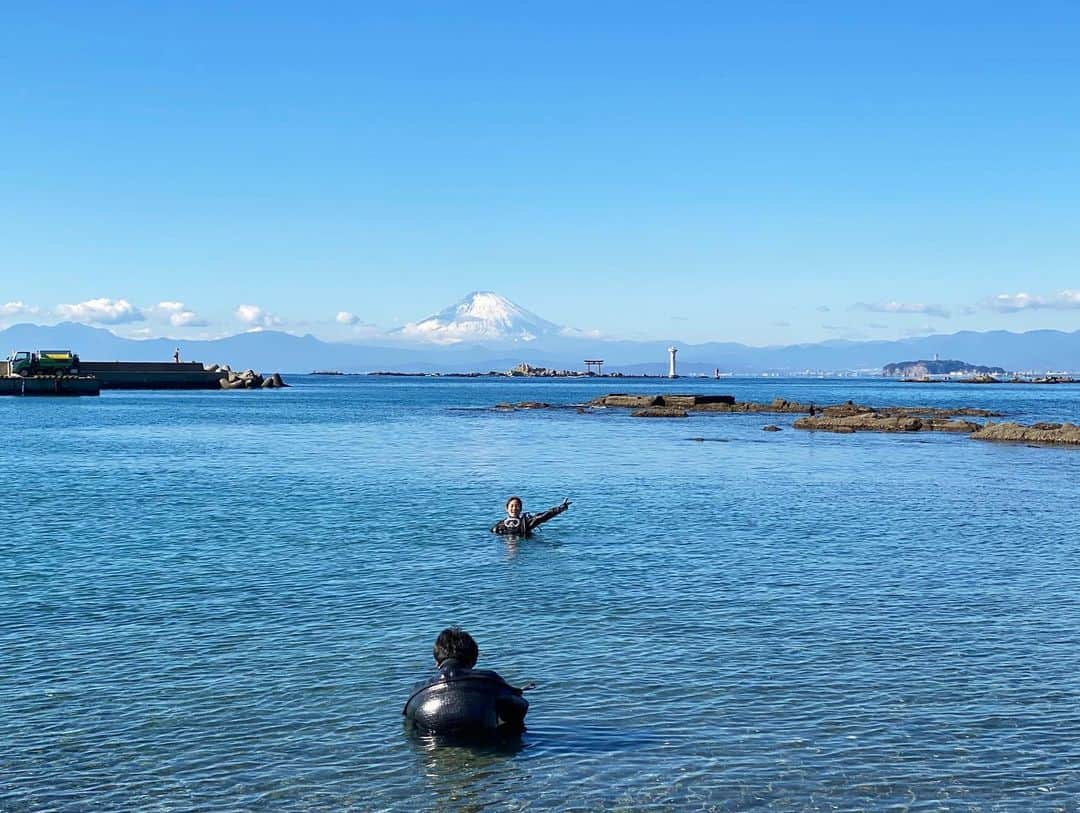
{"type": "Point", "coordinates": [511, 499]}
{"type": "Point", "coordinates": [454, 642]}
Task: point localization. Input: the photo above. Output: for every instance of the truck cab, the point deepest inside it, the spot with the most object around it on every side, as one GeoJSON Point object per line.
{"type": "Point", "coordinates": [19, 363]}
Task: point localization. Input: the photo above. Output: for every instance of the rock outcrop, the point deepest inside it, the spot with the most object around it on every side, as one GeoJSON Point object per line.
{"type": "Point", "coordinates": [661, 412]}
{"type": "Point", "coordinates": [861, 422]}
{"type": "Point", "coordinates": [678, 401]}
{"type": "Point", "coordinates": [780, 406]}
{"type": "Point", "coordinates": [884, 421]}
{"type": "Point", "coordinates": [1057, 433]}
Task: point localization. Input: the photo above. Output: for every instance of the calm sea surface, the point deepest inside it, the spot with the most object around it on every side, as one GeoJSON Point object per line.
{"type": "Point", "coordinates": [219, 601]}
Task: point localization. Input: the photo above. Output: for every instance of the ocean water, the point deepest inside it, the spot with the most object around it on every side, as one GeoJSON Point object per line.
{"type": "Point", "coordinates": [219, 601]}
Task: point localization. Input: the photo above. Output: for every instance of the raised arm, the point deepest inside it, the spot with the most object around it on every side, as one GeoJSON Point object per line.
{"type": "Point", "coordinates": [539, 519]}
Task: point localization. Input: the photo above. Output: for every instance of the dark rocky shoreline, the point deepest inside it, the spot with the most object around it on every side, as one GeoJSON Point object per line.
{"type": "Point", "coordinates": [846, 418]}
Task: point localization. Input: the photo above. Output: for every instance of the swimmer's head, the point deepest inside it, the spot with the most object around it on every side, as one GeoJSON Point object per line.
{"type": "Point", "coordinates": [513, 506]}
{"type": "Point", "coordinates": [454, 642]}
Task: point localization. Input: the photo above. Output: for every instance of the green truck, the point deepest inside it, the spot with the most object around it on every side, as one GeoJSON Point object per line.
{"type": "Point", "coordinates": [43, 362]}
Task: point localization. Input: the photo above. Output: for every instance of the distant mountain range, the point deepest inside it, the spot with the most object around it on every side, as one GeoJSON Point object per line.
{"type": "Point", "coordinates": [487, 332]}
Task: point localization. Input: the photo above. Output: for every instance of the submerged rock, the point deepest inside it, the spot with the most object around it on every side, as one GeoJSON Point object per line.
{"type": "Point", "coordinates": [770, 428]}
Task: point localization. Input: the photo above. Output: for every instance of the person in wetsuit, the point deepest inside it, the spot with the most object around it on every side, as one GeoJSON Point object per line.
{"type": "Point", "coordinates": [461, 700]}
{"type": "Point", "coordinates": [519, 524]}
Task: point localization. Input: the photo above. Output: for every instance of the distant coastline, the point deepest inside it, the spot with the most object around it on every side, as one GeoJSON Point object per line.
{"type": "Point", "coordinates": [1015, 378]}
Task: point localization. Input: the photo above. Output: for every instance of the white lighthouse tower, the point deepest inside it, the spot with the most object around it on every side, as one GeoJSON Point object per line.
{"type": "Point", "coordinates": [671, 362]}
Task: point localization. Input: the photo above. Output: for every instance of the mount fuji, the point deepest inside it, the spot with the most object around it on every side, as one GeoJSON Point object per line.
{"type": "Point", "coordinates": [481, 317]}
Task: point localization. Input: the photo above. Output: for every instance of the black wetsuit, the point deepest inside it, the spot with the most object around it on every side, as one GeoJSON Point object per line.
{"type": "Point", "coordinates": [526, 523]}
{"type": "Point", "coordinates": [460, 700]}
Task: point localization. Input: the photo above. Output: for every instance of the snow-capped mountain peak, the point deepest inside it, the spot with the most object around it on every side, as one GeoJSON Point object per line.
{"type": "Point", "coordinates": [482, 316]}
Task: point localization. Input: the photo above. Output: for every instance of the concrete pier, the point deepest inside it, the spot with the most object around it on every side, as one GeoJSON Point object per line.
{"type": "Point", "coordinates": [66, 385]}
{"type": "Point", "coordinates": [149, 375]}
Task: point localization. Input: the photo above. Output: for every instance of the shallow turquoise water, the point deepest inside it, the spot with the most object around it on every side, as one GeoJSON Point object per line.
{"type": "Point", "coordinates": [216, 601]}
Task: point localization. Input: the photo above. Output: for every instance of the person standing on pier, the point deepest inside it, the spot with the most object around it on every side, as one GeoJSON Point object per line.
{"type": "Point", "coordinates": [176, 355]}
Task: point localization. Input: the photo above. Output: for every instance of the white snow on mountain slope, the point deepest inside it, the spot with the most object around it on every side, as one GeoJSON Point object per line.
{"type": "Point", "coordinates": [482, 316]}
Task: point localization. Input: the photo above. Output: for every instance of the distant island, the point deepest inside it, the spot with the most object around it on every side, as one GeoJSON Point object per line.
{"type": "Point", "coordinates": [928, 367]}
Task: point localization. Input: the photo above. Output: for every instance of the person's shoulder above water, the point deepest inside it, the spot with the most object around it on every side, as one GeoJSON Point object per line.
{"type": "Point", "coordinates": [518, 523]}
{"type": "Point", "coordinates": [461, 699]}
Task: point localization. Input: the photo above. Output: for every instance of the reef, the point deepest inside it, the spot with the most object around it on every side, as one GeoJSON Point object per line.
{"type": "Point", "coordinates": [1067, 434]}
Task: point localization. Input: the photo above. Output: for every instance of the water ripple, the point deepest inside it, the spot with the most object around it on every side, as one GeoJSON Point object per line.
{"type": "Point", "coordinates": [221, 605]}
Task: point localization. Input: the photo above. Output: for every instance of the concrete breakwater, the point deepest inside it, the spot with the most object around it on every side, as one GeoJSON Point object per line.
{"type": "Point", "coordinates": [138, 375]}
{"type": "Point", "coordinates": [247, 380]}
{"type": "Point", "coordinates": [59, 385]}
{"type": "Point", "coordinates": [142, 375]}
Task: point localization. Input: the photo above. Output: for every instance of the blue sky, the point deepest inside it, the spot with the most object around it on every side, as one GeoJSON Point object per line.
{"type": "Point", "coordinates": [765, 173]}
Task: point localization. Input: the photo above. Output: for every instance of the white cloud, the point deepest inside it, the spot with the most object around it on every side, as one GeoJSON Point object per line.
{"type": "Point", "coordinates": [187, 319]}
{"type": "Point", "coordinates": [17, 308]}
{"type": "Point", "coordinates": [346, 318]}
{"type": "Point", "coordinates": [893, 306]}
{"type": "Point", "coordinates": [1012, 303]}
{"type": "Point", "coordinates": [577, 333]}
{"type": "Point", "coordinates": [179, 315]}
{"type": "Point", "coordinates": [102, 311]}
{"type": "Point", "coordinates": [256, 317]}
